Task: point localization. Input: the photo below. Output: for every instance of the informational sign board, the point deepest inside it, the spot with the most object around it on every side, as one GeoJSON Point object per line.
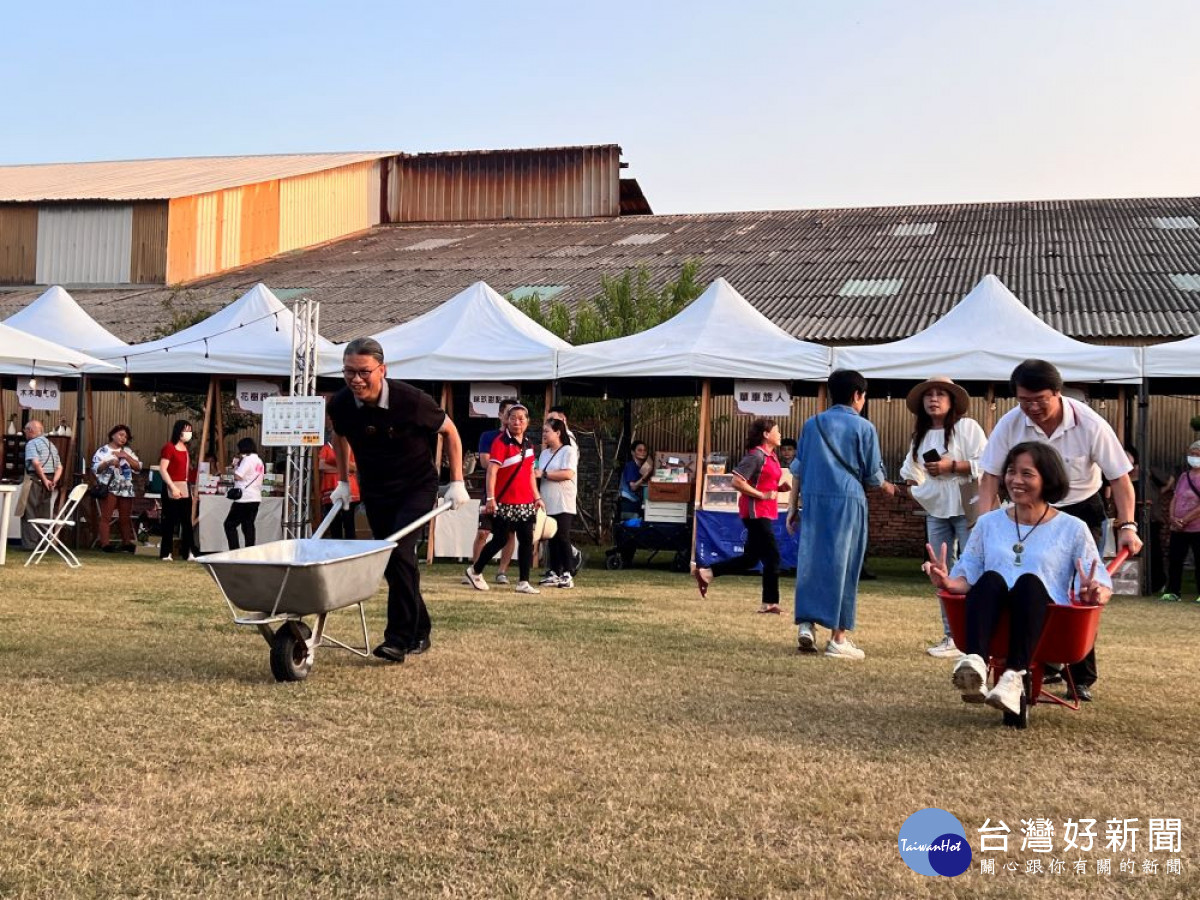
{"type": "Point", "coordinates": [293, 421]}
{"type": "Point", "coordinates": [486, 397]}
{"type": "Point", "coordinates": [251, 393]}
{"type": "Point", "coordinates": [44, 396]}
{"type": "Point", "coordinates": [762, 398]}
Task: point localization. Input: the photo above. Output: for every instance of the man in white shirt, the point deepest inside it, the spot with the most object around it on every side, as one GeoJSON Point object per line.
{"type": "Point", "coordinates": [1091, 452]}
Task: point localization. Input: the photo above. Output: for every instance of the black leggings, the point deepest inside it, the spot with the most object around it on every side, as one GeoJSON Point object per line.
{"type": "Point", "coordinates": [1026, 603]}
{"type": "Point", "coordinates": [242, 514]}
{"type": "Point", "coordinates": [560, 544]}
{"type": "Point", "coordinates": [501, 528]}
{"type": "Point", "coordinates": [1181, 543]}
{"type": "Point", "coordinates": [760, 547]}
{"type": "Point", "coordinates": [177, 512]}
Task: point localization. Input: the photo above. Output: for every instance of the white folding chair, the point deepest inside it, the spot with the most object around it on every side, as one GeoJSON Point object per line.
{"type": "Point", "coordinates": [49, 529]}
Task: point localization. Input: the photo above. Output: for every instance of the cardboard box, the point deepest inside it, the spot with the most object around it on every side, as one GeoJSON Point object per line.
{"type": "Point", "coordinates": [669, 492]}
{"type": "Point", "coordinates": [666, 512]}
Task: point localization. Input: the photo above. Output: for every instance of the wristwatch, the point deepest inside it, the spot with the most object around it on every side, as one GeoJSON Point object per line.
{"type": "Point", "coordinates": [1127, 526]}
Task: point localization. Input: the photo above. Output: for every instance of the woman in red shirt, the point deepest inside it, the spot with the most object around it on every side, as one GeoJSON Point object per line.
{"type": "Point", "coordinates": [175, 466]}
{"type": "Point", "coordinates": [756, 479]}
{"type": "Point", "coordinates": [512, 499]}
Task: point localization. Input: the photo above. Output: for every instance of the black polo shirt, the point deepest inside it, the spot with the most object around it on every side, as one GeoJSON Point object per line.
{"type": "Point", "coordinates": [392, 444]}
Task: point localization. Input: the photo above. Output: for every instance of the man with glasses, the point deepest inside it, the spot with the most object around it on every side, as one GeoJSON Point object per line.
{"type": "Point", "coordinates": [1091, 452]}
{"type": "Point", "coordinates": [391, 427]}
{"type": "Point", "coordinates": [44, 471]}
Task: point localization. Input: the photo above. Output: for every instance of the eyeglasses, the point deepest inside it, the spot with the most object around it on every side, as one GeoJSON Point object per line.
{"type": "Point", "coordinates": [1038, 402]}
{"type": "Point", "coordinates": [362, 374]}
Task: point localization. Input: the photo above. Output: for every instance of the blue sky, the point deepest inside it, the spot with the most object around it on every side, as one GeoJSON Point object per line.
{"type": "Point", "coordinates": [718, 106]}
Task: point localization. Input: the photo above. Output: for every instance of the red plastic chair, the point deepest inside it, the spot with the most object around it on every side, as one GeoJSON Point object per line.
{"type": "Point", "coordinates": [1067, 637]}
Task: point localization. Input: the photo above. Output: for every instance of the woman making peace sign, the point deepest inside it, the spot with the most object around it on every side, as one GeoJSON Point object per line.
{"type": "Point", "coordinates": [1020, 558]}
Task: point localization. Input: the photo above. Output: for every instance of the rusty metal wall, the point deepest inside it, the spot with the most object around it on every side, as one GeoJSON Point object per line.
{"type": "Point", "coordinates": [148, 253]}
{"type": "Point", "coordinates": [84, 243]}
{"type": "Point", "coordinates": [18, 243]}
{"type": "Point", "coordinates": [326, 205]}
{"type": "Point", "coordinates": [566, 183]}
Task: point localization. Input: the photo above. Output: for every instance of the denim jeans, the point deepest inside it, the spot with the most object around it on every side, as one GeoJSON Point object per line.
{"type": "Point", "coordinates": [946, 531]}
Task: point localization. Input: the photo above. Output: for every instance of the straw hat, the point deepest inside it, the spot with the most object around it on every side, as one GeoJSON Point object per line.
{"type": "Point", "coordinates": [960, 396]}
{"type": "Point", "coordinates": [545, 527]}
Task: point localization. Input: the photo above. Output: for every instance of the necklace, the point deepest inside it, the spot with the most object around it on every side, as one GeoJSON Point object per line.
{"type": "Point", "coordinates": [1019, 546]}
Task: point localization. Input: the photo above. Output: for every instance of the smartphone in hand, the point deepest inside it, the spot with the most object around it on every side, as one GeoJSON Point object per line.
{"type": "Point", "coordinates": [931, 456]}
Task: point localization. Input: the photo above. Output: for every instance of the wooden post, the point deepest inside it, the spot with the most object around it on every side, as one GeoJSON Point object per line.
{"type": "Point", "coordinates": [91, 416]}
{"type": "Point", "coordinates": [989, 414]}
{"type": "Point", "coordinates": [220, 427]}
{"type": "Point", "coordinates": [1120, 428]}
{"type": "Point", "coordinates": [702, 439]}
{"type": "Point", "coordinates": [208, 402]}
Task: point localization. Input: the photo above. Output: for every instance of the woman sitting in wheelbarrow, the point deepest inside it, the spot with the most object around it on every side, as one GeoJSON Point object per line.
{"type": "Point", "coordinates": [1020, 559]}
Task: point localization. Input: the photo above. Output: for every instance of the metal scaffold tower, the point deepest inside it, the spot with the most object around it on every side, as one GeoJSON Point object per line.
{"type": "Point", "coordinates": [297, 497]}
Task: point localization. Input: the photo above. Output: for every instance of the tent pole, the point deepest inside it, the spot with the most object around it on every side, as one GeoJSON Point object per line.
{"type": "Point", "coordinates": [1145, 520]}
{"type": "Point", "coordinates": [80, 411]}
{"type": "Point", "coordinates": [701, 455]}
{"type": "Point", "coordinates": [549, 400]}
{"type": "Point", "coordinates": [220, 428]}
{"type": "Point", "coordinates": [1120, 429]}
{"type": "Point", "coordinates": [447, 398]}
{"type": "Point", "coordinates": [208, 402]}
{"type": "Point", "coordinates": [91, 415]}
{"type": "Point", "coordinates": [989, 416]}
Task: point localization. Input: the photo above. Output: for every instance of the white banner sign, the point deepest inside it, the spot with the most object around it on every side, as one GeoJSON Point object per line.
{"type": "Point", "coordinates": [486, 397]}
{"type": "Point", "coordinates": [44, 396]}
{"type": "Point", "coordinates": [251, 393]}
{"type": "Point", "coordinates": [762, 398]}
{"type": "Point", "coordinates": [293, 422]}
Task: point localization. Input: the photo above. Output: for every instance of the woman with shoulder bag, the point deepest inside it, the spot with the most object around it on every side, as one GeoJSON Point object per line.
{"type": "Point", "coordinates": [942, 461]}
{"type": "Point", "coordinates": [246, 494]}
{"type": "Point", "coordinates": [113, 465]}
{"type": "Point", "coordinates": [558, 465]}
{"type": "Point", "coordinates": [175, 467]}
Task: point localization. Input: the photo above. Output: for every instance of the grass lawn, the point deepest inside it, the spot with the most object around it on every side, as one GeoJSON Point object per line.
{"type": "Point", "coordinates": [622, 739]}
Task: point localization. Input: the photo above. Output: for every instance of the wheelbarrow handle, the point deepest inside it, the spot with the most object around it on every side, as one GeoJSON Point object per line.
{"type": "Point", "coordinates": [1115, 562]}
{"type": "Point", "coordinates": [417, 523]}
{"type": "Point", "coordinates": [329, 517]}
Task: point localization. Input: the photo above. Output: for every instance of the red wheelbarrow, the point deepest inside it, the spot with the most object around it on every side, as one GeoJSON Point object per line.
{"type": "Point", "coordinates": [1067, 637]}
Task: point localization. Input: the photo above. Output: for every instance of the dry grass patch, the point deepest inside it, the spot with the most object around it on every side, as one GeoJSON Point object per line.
{"type": "Point", "coordinates": [621, 739]}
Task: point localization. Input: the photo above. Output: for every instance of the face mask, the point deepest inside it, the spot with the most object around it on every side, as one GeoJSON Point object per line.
{"type": "Point", "coordinates": [187, 436]}
{"type": "Point", "coordinates": [1194, 462]}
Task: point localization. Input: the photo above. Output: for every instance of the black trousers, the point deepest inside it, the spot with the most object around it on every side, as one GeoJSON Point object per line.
{"type": "Point", "coordinates": [560, 544]}
{"type": "Point", "coordinates": [1026, 603]}
{"type": "Point", "coordinates": [177, 512]}
{"type": "Point", "coordinates": [760, 548]}
{"type": "Point", "coordinates": [243, 515]}
{"type": "Point", "coordinates": [501, 529]}
{"type": "Point", "coordinates": [342, 527]}
{"type": "Point", "coordinates": [408, 618]}
{"type": "Point", "coordinates": [1182, 543]}
{"type": "Point", "coordinates": [1091, 511]}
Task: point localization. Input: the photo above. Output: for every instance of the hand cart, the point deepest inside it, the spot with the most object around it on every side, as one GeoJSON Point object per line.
{"type": "Point", "coordinates": [282, 582]}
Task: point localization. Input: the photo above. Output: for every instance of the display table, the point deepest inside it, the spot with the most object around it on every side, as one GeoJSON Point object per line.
{"type": "Point", "coordinates": [213, 508]}
{"type": "Point", "coordinates": [721, 536]}
{"type": "Point", "coordinates": [454, 531]}
{"type": "Point", "coordinates": [8, 493]}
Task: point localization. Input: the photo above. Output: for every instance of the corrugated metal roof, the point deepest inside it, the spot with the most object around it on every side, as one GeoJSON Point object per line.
{"type": "Point", "coordinates": [160, 179]}
{"type": "Point", "coordinates": [1095, 269]}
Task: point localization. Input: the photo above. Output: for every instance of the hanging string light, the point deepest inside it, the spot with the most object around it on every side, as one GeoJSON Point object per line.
{"type": "Point", "coordinates": [126, 379]}
{"type": "Point", "coordinates": [33, 374]}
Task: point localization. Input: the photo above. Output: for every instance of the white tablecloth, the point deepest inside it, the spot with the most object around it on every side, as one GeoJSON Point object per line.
{"type": "Point", "coordinates": [454, 531]}
{"type": "Point", "coordinates": [8, 500]}
{"type": "Point", "coordinates": [213, 510]}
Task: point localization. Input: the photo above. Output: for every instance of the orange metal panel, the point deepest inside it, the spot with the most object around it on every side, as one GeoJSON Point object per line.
{"type": "Point", "coordinates": [181, 239]}
{"type": "Point", "coordinates": [148, 250]}
{"type": "Point", "coordinates": [18, 244]}
{"type": "Point", "coordinates": [260, 222]}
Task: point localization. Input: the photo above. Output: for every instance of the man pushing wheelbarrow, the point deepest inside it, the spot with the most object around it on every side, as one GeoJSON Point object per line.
{"type": "Point", "coordinates": [390, 426]}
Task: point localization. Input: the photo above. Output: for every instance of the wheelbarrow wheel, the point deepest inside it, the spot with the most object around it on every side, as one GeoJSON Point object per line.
{"type": "Point", "coordinates": [1020, 720]}
{"type": "Point", "coordinates": [682, 561]}
{"type": "Point", "coordinates": [614, 561]}
{"type": "Point", "coordinates": [289, 652]}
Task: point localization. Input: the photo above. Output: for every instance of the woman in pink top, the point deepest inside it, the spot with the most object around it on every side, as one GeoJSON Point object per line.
{"type": "Point", "coordinates": [756, 479]}
{"type": "Point", "coordinates": [1185, 525]}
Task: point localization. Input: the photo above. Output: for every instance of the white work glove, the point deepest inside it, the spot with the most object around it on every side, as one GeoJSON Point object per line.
{"type": "Point", "coordinates": [341, 494]}
{"type": "Point", "coordinates": [456, 493]}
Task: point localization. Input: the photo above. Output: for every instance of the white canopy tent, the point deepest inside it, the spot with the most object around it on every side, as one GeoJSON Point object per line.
{"type": "Point", "coordinates": [476, 335]}
{"type": "Point", "coordinates": [1177, 359]}
{"type": "Point", "coordinates": [22, 353]}
{"type": "Point", "coordinates": [56, 317]}
{"type": "Point", "coordinates": [251, 336]}
{"type": "Point", "coordinates": [983, 338]}
{"type": "Point", "coordinates": [718, 335]}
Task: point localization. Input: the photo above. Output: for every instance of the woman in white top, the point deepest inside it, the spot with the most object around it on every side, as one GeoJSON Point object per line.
{"type": "Point", "coordinates": [945, 452]}
{"type": "Point", "coordinates": [114, 464]}
{"type": "Point", "coordinates": [248, 472]}
{"type": "Point", "coordinates": [559, 466]}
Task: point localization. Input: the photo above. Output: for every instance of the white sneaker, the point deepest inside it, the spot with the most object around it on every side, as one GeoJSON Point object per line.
{"type": "Point", "coordinates": [166, 558]}
{"type": "Point", "coordinates": [501, 578]}
{"type": "Point", "coordinates": [1007, 693]}
{"type": "Point", "coordinates": [806, 642]}
{"type": "Point", "coordinates": [843, 650]}
{"type": "Point", "coordinates": [970, 676]}
{"type": "Point", "coordinates": [566, 581]}
{"type": "Point", "coordinates": [945, 650]}
{"type": "Point", "coordinates": [524, 587]}
{"type": "Point", "coordinates": [549, 580]}
{"type": "Point", "coordinates": [476, 580]}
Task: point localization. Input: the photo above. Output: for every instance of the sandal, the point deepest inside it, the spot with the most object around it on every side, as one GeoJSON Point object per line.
{"type": "Point", "coordinates": [701, 582]}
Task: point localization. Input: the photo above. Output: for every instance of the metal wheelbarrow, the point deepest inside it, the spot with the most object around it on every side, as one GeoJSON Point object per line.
{"type": "Point", "coordinates": [284, 581]}
{"type": "Point", "coordinates": [1068, 634]}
